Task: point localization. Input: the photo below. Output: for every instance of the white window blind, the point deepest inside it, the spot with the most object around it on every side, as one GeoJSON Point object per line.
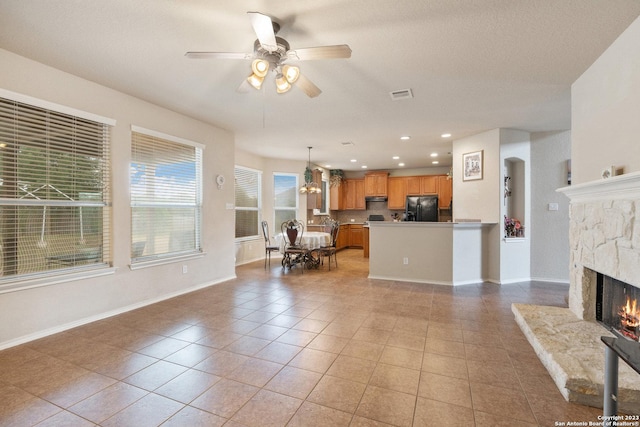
{"type": "Point", "coordinates": [54, 193]}
{"type": "Point", "coordinates": [285, 188]}
{"type": "Point", "coordinates": [248, 202]}
{"type": "Point", "coordinates": [166, 197]}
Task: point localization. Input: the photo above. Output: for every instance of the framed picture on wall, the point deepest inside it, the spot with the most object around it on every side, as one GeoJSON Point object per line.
{"type": "Point", "coordinates": [472, 166]}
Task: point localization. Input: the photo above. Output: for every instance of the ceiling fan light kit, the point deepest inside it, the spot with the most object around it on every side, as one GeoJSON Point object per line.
{"type": "Point", "coordinates": [260, 67]}
{"type": "Point", "coordinates": [271, 52]}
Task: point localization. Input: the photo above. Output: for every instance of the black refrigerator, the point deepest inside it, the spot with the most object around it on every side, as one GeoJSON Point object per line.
{"type": "Point", "coordinates": [421, 208]}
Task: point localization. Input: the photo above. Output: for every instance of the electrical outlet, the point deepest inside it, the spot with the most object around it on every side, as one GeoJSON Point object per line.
{"type": "Point", "coordinates": [405, 260]}
{"type": "Point", "coordinates": [184, 269]}
{"type": "Point", "coordinates": [553, 206]}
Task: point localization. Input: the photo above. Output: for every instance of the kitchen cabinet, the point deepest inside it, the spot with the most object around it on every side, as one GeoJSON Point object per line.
{"type": "Point", "coordinates": [354, 194]}
{"type": "Point", "coordinates": [445, 191]}
{"type": "Point", "coordinates": [397, 192]}
{"type": "Point", "coordinates": [356, 237]}
{"type": "Point", "coordinates": [421, 185]}
{"type": "Point", "coordinates": [365, 241]}
{"type": "Point", "coordinates": [375, 184]}
{"type": "Point", "coordinates": [429, 184]}
{"type": "Point", "coordinates": [413, 186]}
{"type": "Point", "coordinates": [343, 237]}
{"type": "Point", "coordinates": [336, 197]}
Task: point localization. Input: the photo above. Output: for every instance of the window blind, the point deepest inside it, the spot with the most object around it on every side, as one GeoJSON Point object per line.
{"type": "Point", "coordinates": [166, 197]}
{"type": "Point", "coordinates": [285, 187]}
{"type": "Point", "coordinates": [248, 202]}
{"type": "Point", "coordinates": [54, 193]}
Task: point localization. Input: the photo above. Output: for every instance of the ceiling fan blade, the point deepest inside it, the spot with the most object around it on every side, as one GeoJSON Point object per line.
{"type": "Point", "coordinates": [307, 86]}
{"type": "Point", "coordinates": [320, 52]}
{"type": "Point", "coordinates": [263, 26]}
{"type": "Point", "coordinates": [218, 55]}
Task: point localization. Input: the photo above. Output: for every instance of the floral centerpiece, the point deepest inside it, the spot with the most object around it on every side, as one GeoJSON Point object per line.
{"type": "Point", "coordinates": [513, 227]}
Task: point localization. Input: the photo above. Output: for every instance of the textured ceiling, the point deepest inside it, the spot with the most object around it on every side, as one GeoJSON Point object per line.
{"type": "Point", "coordinates": [471, 65]}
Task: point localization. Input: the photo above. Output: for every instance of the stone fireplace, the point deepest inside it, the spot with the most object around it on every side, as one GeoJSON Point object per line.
{"type": "Point", "coordinates": [604, 238]}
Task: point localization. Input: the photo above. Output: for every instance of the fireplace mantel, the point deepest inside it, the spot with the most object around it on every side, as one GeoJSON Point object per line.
{"type": "Point", "coordinates": [625, 186]}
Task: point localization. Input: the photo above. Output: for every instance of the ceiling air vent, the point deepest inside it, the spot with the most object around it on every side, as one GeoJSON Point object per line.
{"type": "Point", "coordinates": [398, 95]}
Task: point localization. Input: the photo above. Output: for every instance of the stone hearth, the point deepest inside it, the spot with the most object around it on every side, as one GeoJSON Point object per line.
{"type": "Point", "coordinates": [571, 350]}
{"type": "Point", "coordinates": [604, 237]}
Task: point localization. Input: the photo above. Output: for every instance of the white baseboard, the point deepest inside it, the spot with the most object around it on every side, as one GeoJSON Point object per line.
{"type": "Point", "coordinates": [61, 328]}
{"type": "Point", "coordinates": [551, 280]}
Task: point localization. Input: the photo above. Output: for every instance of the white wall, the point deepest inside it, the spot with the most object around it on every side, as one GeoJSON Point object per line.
{"type": "Point", "coordinates": [479, 199]}
{"type": "Point", "coordinates": [252, 250]}
{"type": "Point", "coordinates": [515, 254]}
{"type": "Point", "coordinates": [605, 104]}
{"type": "Point", "coordinates": [31, 313]}
{"type": "Point", "coordinates": [549, 229]}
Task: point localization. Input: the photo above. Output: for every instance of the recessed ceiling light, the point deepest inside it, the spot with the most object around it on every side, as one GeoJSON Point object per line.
{"type": "Point", "coordinates": [434, 154]}
{"type": "Point", "coordinates": [353, 160]}
{"type": "Point", "coordinates": [405, 137]}
{"type": "Point", "coordinates": [446, 135]}
{"type": "Point", "coordinates": [435, 162]}
{"type": "Point", "coordinates": [363, 166]}
{"type": "Point", "coordinates": [395, 157]}
{"type": "Point", "coordinates": [401, 164]}
{"type": "Point", "coordinates": [327, 166]}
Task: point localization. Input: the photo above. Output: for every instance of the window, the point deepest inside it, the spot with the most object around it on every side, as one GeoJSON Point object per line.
{"type": "Point", "coordinates": [54, 193]}
{"type": "Point", "coordinates": [166, 196]}
{"type": "Point", "coordinates": [325, 195]}
{"type": "Point", "coordinates": [285, 198]}
{"type": "Point", "coordinates": [248, 202]}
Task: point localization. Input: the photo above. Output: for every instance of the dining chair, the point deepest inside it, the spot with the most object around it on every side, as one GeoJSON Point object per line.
{"type": "Point", "coordinates": [294, 250]}
{"type": "Point", "coordinates": [268, 247]}
{"type": "Point", "coordinates": [328, 251]}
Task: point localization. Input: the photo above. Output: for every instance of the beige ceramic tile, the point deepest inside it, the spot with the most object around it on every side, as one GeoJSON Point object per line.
{"type": "Point", "coordinates": [267, 409]}
{"type": "Point", "coordinates": [294, 382]}
{"type": "Point", "coordinates": [387, 406]}
{"type": "Point", "coordinates": [337, 393]}
{"type": "Point", "coordinates": [225, 397]}
{"type": "Point", "coordinates": [313, 415]}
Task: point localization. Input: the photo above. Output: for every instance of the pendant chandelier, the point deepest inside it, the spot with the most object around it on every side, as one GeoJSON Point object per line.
{"type": "Point", "coordinates": [309, 186]}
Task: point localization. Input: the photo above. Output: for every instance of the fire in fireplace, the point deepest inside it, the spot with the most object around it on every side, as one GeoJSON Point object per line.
{"type": "Point", "coordinates": [618, 307]}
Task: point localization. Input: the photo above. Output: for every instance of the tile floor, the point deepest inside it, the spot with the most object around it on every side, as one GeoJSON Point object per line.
{"type": "Point", "coordinates": [323, 348]}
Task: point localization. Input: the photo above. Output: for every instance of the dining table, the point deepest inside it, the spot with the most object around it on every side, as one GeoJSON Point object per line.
{"type": "Point", "coordinates": [311, 240]}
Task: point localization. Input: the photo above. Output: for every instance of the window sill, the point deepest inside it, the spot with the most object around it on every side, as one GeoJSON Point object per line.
{"type": "Point", "coordinates": [55, 278]}
{"type": "Point", "coordinates": [162, 261]}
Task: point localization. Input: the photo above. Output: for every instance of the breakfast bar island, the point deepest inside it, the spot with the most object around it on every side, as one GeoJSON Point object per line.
{"type": "Point", "coordinates": [441, 253]}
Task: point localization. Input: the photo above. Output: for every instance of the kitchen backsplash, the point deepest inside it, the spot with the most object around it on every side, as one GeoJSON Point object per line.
{"type": "Point", "coordinates": [373, 208]}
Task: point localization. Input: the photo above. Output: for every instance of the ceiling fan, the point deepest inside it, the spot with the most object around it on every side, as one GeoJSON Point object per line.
{"type": "Point", "coordinates": [271, 52]}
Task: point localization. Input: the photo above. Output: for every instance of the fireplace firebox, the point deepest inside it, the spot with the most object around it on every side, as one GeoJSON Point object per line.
{"type": "Point", "coordinates": [618, 307]}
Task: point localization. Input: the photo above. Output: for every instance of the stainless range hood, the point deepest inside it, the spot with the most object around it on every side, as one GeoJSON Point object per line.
{"type": "Point", "coordinates": [375, 198]}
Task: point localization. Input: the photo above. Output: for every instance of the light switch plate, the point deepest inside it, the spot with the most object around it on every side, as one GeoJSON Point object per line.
{"type": "Point", "coordinates": [553, 206]}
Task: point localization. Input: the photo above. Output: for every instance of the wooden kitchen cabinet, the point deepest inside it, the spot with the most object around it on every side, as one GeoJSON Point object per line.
{"type": "Point", "coordinates": [343, 237]}
{"type": "Point", "coordinates": [445, 191]}
{"type": "Point", "coordinates": [397, 192]}
{"type": "Point", "coordinates": [429, 184]}
{"type": "Point", "coordinates": [354, 194]}
{"type": "Point", "coordinates": [356, 236]}
{"type": "Point", "coordinates": [413, 186]}
{"type": "Point", "coordinates": [375, 184]}
{"type": "Point", "coordinates": [336, 197]}
{"type": "Point", "coordinates": [365, 235]}
{"type": "Point", "coordinates": [421, 185]}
